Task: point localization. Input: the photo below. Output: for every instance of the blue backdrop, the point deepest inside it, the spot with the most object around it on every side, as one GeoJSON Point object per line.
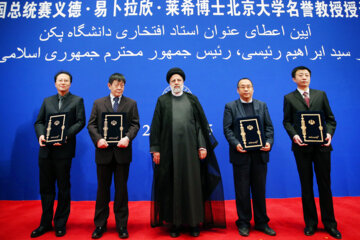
{"type": "Point", "coordinates": [216, 42]}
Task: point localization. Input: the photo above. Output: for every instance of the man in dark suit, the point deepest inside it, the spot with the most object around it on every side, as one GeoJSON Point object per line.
{"type": "Point", "coordinates": [306, 99]}
{"type": "Point", "coordinates": [113, 159]}
{"type": "Point", "coordinates": [55, 160]}
{"type": "Point", "coordinates": [249, 167]}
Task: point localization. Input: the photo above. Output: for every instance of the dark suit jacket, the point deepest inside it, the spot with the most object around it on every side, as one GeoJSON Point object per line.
{"type": "Point", "coordinates": [235, 110]}
{"type": "Point", "coordinates": [294, 102]}
{"type": "Point", "coordinates": [128, 106]}
{"type": "Point", "coordinates": [74, 106]}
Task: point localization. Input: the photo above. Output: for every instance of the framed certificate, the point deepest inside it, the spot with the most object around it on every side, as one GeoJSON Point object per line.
{"type": "Point", "coordinates": [312, 128]}
{"type": "Point", "coordinates": [251, 133]}
{"type": "Point", "coordinates": [56, 128]}
{"type": "Point", "coordinates": [113, 127]}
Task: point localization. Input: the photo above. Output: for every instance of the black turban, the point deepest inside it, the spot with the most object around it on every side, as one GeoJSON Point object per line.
{"type": "Point", "coordinates": [173, 71]}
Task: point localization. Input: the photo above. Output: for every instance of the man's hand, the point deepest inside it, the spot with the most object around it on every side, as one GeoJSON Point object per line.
{"type": "Point", "coordinates": [266, 148]}
{"type": "Point", "coordinates": [239, 148]}
{"type": "Point", "coordinates": [42, 141]}
{"type": "Point", "coordinates": [298, 141]}
{"type": "Point", "coordinates": [102, 143]}
{"type": "Point", "coordinates": [59, 144]}
{"type": "Point", "coordinates": [328, 139]}
{"type": "Point", "coordinates": [124, 142]}
{"type": "Point", "coordinates": [202, 153]}
{"type": "Point", "coordinates": [156, 157]}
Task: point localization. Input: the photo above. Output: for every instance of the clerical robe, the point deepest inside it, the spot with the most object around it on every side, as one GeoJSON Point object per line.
{"type": "Point", "coordinates": [186, 190]}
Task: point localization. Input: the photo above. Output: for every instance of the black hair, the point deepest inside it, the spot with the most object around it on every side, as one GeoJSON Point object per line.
{"type": "Point", "coordinates": [244, 79]}
{"type": "Point", "coordinates": [116, 77]}
{"type": "Point", "coordinates": [63, 72]}
{"type": "Point", "coordinates": [293, 72]}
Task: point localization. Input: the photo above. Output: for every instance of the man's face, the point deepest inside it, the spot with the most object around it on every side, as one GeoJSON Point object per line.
{"type": "Point", "coordinates": [245, 90]}
{"type": "Point", "coordinates": [116, 88]}
{"type": "Point", "coordinates": [176, 83]}
{"type": "Point", "coordinates": [63, 83]}
{"type": "Point", "coordinates": [302, 79]}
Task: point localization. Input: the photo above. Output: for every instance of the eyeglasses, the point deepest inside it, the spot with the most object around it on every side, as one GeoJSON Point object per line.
{"type": "Point", "coordinates": [245, 87]}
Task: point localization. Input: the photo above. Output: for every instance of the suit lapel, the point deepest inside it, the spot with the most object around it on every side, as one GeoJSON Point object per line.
{"type": "Point", "coordinates": [55, 102]}
{"type": "Point", "coordinates": [240, 108]}
{"type": "Point", "coordinates": [313, 96]}
{"type": "Point", "coordinates": [300, 98]}
{"type": "Point", "coordinates": [122, 104]}
{"type": "Point", "coordinates": [65, 102]}
{"type": "Point", "coordinates": [256, 107]}
{"type": "Point", "coordinates": [108, 105]}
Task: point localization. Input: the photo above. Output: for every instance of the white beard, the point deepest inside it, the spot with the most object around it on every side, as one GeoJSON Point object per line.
{"type": "Point", "coordinates": [177, 91]}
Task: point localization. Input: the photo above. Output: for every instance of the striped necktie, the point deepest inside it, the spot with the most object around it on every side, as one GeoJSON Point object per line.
{"type": "Point", "coordinates": [306, 98]}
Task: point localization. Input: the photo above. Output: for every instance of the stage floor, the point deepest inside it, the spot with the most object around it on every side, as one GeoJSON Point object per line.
{"type": "Point", "coordinates": [19, 218]}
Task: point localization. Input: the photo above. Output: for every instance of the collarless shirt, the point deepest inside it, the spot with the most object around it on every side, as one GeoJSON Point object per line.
{"type": "Point", "coordinates": [242, 101]}
{"type": "Point", "coordinates": [248, 107]}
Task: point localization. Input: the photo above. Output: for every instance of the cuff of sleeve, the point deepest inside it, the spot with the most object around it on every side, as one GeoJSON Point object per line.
{"type": "Point", "coordinates": [235, 144]}
{"type": "Point", "coordinates": [154, 149]}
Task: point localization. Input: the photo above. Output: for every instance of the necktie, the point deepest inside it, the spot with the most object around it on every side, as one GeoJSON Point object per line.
{"type": "Point", "coordinates": [116, 104]}
{"type": "Point", "coordinates": [306, 98]}
{"type": "Point", "coordinates": [61, 99]}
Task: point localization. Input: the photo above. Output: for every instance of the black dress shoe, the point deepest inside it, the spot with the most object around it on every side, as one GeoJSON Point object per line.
{"type": "Point", "coordinates": [98, 232]}
{"type": "Point", "coordinates": [309, 230]}
{"type": "Point", "coordinates": [174, 232]}
{"type": "Point", "coordinates": [267, 230]}
{"type": "Point", "coordinates": [123, 233]}
{"type": "Point", "coordinates": [244, 231]}
{"type": "Point", "coordinates": [334, 233]}
{"type": "Point", "coordinates": [40, 231]}
{"type": "Point", "coordinates": [194, 231]}
{"type": "Point", "coordinates": [60, 232]}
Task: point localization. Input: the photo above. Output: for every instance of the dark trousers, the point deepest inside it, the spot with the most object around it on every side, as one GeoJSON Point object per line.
{"type": "Point", "coordinates": [321, 161]}
{"type": "Point", "coordinates": [51, 171]}
{"type": "Point", "coordinates": [251, 176]}
{"type": "Point", "coordinates": [104, 177]}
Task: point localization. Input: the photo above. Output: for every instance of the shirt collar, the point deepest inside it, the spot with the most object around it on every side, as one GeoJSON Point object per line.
{"type": "Point", "coordinates": [302, 92]}
{"type": "Point", "coordinates": [251, 100]}
{"type": "Point", "coordinates": [177, 95]}
{"type": "Point", "coordinates": [65, 96]}
{"type": "Point", "coordinates": [112, 98]}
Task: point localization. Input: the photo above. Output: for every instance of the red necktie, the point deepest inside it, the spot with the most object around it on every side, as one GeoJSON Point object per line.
{"type": "Point", "coordinates": [306, 98]}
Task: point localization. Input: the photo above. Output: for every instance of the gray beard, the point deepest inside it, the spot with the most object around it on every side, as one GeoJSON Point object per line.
{"type": "Point", "coordinates": [177, 91]}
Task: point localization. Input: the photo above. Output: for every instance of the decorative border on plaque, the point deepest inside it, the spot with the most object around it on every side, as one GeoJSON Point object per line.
{"type": "Point", "coordinates": [311, 122]}
{"type": "Point", "coordinates": [250, 127]}
{"type": "Point", "coordinates": [113, 123]}
{"type": "Point", "coordinates": [56, 122]}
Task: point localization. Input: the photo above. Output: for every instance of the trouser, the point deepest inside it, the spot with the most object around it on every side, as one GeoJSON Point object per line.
{"type": "Point", "coordinates": [121, 210]}
{"type": "Point", "coordinates": [51, 171]}
{"type": "Point", "coordinates": [321, 161]}
{"type": "Point", "coordinates": [251, 176]}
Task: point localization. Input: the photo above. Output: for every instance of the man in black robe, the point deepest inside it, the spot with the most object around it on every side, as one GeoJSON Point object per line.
{"type": "Point", "coordinates": [187, 186]}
